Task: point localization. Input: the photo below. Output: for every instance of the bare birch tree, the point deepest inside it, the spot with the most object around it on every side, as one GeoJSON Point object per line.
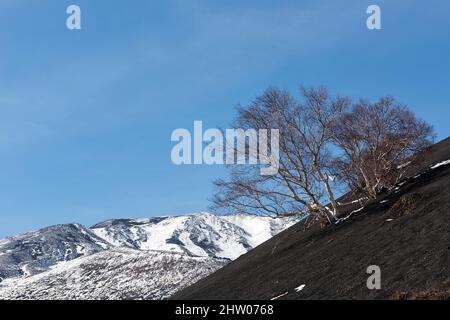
{"type": "Point", "coordinates": [364, 146]}
{"type": "Point", "coordinates": [303, 185]}
{"type": "Point", "coordinates": [376, 142]}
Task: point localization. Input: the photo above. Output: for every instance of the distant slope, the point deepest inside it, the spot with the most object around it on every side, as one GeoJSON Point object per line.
{"type": "Point", "coordinates": [126, 258]}
{"type": "Point", "coordinates": [114, 274]}
{"type": "Point", "coordinates": [33, 252]}
{"type": "Point", "coordinates": [405, 232]}
{"type": "Point", "coordinates": [200, 234]}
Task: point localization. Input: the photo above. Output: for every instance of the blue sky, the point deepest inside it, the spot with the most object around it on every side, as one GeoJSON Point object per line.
{"type": "Point", "coordinates": [86, 116]}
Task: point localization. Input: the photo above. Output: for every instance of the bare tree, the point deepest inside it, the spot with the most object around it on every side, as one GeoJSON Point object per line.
{"type": "Point", "coordinates": [366, 148]}
{"type": "Point", "coordinates": [303, 185]}
{"type": "Point", "coordinates": [376, 140]}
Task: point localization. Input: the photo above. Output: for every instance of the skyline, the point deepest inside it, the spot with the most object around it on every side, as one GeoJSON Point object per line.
{"type": "Point", "coordinates": [86, 115]}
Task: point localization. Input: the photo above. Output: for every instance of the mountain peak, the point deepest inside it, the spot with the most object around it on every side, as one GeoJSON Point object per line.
{"type": "Point", "coordinates": [196, 234]}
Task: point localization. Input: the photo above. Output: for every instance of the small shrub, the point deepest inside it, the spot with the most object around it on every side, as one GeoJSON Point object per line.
{"type": "Point", "coordinates": [432, 295]}
{"type": "Point", "coordinates": [400, 295]}
{"type": "Point", "coordinates": [422, 295]}
{"type": "Point", "coordinates": [405, 205]}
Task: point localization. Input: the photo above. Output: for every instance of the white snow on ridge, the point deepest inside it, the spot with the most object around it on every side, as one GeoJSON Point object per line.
{"type": "Point", "coordinates": [200, 234]}
{"type": "Point", "coordinates": [260, 229]}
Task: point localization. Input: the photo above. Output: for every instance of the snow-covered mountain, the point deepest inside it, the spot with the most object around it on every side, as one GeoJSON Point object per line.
{"type": "Point", "coordinates": [200, 234]}
{"type": "Point", "coordinates": [119, 273]}
{"type": "Point", "coordinates": [126, 258]}
{"type": "Point", "coordinates": [34, 252]}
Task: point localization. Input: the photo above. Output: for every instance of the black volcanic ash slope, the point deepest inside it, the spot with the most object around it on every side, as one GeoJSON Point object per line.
{"type": "Point", "coordinates": [406, 232]}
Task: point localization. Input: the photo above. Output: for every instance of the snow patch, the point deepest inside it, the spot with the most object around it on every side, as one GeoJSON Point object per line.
{"type": "Point", "coordinates": [279, 296]}
{"type": "Point", "coordinates": [300, 288]}
{"type": "Point", "coordinates": [353, 202]}
{"type": "Point", "coordinates": [440, 164]}
{"type": "Point", "coordinates": [349, 215]}
{"type": "Point", "coordinates": [25, 271]}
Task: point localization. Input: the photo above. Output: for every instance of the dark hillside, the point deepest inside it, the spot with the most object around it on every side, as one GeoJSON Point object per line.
{"type": "Point", "coordinates": [406, 232]}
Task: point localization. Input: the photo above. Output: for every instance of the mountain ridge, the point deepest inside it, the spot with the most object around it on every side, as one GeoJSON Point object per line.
{"type": "Point", "coordinates": [53, 262]}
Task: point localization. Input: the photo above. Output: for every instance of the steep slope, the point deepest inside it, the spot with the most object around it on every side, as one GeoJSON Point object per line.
{"type": "Point", "coordinates": [405, 232]}
{"type": "Point", "coordinates": [120, 273]}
